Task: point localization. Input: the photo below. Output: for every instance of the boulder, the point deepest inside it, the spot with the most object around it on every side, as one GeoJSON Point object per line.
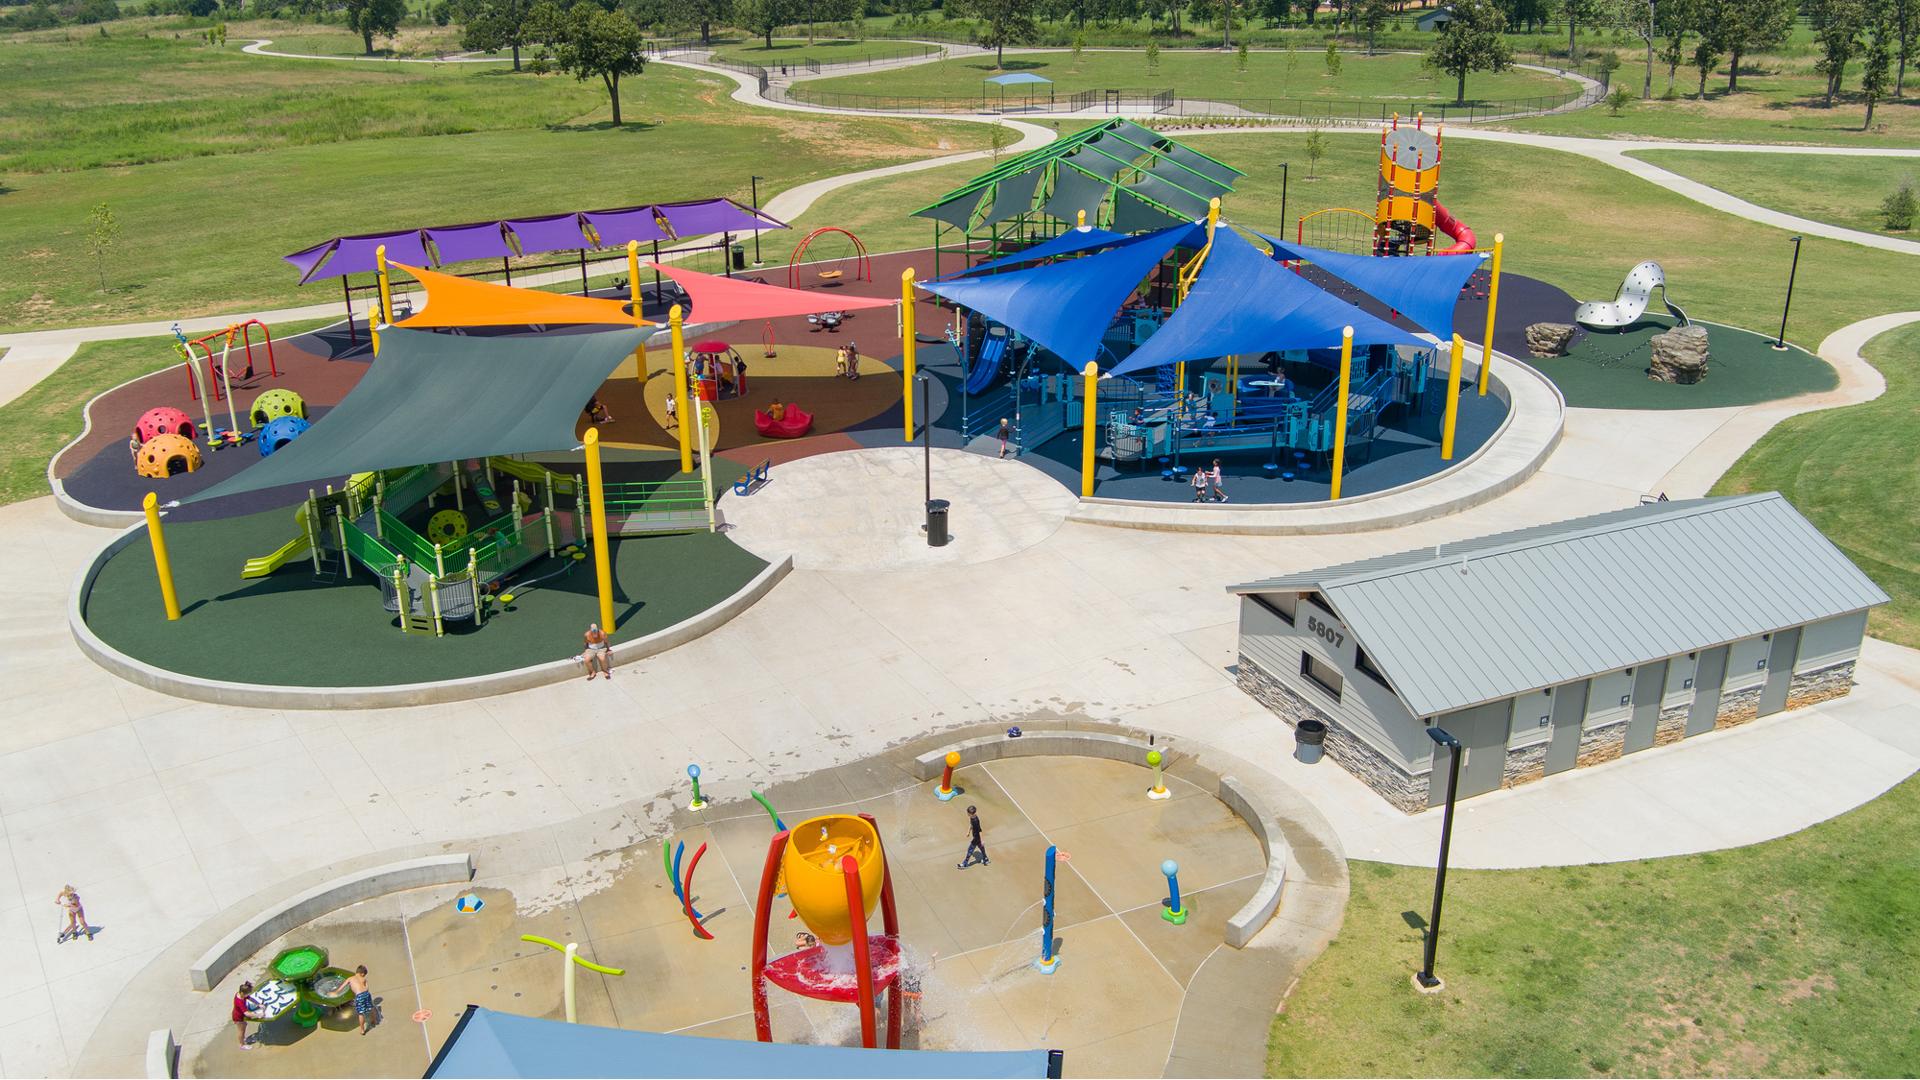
{"type": "Point", "coordinates": [1549, 338]}
{"type": "Point", "coordinates": [1680, 355]}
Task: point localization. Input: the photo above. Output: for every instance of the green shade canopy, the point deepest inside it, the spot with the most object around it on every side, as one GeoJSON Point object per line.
{"type": "Point", "coordinates": [446, 397]}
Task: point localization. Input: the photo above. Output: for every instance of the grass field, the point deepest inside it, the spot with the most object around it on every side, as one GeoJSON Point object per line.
{"type": "Point", "coordinates": [1201, 75]}
{"type": "Point", "coordinates": [1795, 957]}
{"type": "Point", "coordinates": [823, 50]}
{"type": "Point", "coordinates": [411, 41]}
{"type": "Point", "coordinates": [1837, 190]}
{"type": "Point", "coordinates": [201, 234]}
{"type": "Point", "coordinates": [1780, 102]}
{"type": "Point", "coordinates": [1852, 472]}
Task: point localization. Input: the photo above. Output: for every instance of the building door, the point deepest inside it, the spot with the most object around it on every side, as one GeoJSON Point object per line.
{"type": "Point", "coordinates": [1649, 685]}
{"type": "Point", "coordinates": [1780, 658]}
{"type": "Point", "coordinates": [1482, 732]}
{"type": "Point", "coordinates": [1705, 711]}
{"type": "Point", "coordinates": [1569, 708]}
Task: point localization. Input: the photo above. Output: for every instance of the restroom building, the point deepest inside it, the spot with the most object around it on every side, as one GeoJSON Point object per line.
{"type": "Point", "coordinates": [1557, 646]}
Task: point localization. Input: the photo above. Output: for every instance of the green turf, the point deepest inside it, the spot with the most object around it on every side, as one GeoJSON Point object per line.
{"type": "Point", "coordinates": [1198, 75]}
{"type": "Point", "coordinates": [35, 425]}
{"type": "Point", "coordinates": [1780, 102]}
{"type": "Point", "coordinates": [177, 258]}
{"type": "Point", "coordinates": [1852, 472]}
{"type": "Point", "coordinates": [1796, 957]}
{"type": "Point", "coordinates": [1843, 191]}
{"type": "Point", "coordinates": [1609, 371]}
{"type": "Point", "coordinates": [411, 41]}
{"type": "Point", "coordinates": [288, 629]}
{"type": "Point", "coordinates": [823, 50]}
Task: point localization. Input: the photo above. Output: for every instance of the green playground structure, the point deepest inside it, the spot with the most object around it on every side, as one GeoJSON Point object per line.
{"type": "Point", "coordinates": [450, 572]}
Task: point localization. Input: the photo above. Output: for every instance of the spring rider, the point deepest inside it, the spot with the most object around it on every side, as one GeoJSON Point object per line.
{"type": "Point", "coordinates": [834, 871]}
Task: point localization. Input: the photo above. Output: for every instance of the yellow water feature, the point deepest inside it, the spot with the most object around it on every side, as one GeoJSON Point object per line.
{"type": "Point", "coordinates": [815, 883]}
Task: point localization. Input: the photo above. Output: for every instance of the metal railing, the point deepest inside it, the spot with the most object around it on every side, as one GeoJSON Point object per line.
{"type": "Point", "coordinates": [1170, 103]}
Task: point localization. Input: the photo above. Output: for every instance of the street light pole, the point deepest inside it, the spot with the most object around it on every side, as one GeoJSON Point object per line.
{"type": "Point", "coordinates": [755, 181]}
{"type": "Point", "coordinates": [926, 435]}
{"type": "Point", "coordinates": [1425, 978]}
{"type": "Point", "coordinates": [1781, 341]}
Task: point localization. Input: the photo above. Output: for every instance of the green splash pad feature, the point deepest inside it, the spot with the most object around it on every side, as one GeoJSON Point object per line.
{"type": "Point", "coordinates": [298, 964]}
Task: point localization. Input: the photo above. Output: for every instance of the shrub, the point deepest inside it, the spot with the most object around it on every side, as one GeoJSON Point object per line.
{"type": "Point", "coordinates": [1618, 101]}
{"type": "Point", "coordinates": [1901, 206]}
{"type": "Point", "coordinates": [1333, 58]}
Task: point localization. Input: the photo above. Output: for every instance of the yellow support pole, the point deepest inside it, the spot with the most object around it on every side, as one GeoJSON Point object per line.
{"type": "Point", "coordinates": [1493, 303]}
{"type": "Point", "coordinates": [161, 565]}
{"type": "Point", "coordinates": [1453, 399]}
{"type": "Point", "coordinates": [1087, 425]}
{"type": "Point", "coordinates": [386, 297]}
{"type": "Point", "coordinates": [681, 402]}
{"type": "Point", "coordinates": [602, 546]}
{"type": "Point", "coordinates": [1340, 410]}
{"type": "Point", "coordinates": [907, 358]}
{"type": "Point", "coordinates": [1083, 219]}
{"type": "Point", "coordinates": [633, 292]}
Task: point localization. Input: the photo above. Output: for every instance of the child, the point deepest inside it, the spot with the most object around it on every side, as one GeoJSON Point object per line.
{"type": "Point", "coordinates": [777, 411]}
{"type": "Point", "coordinates": [1219, 487]}
{"type": "Point", "coordinates": [671, 414]}
{"type": "Point", "coordinates": [77, 924]}
{"type": "Point", "coordinates": [597, 411]}
{"type": "Point", "coordinates": [1200, 477]}
{"type": "Point", "coordinates": [853, 360]}
{"type": "Point", "coordinates": [240, 1014]}
{"type": "Point", "coordinates": [840, 361]}
{"type": "Point", "coordinates": [362, 997]}
{"type": "Point", "coordinates": [1003, 436]}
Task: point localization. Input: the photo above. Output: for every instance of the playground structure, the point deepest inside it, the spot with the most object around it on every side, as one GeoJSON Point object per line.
{"type": "Point", "coordinates": [176, 454]}
{"type": "Point", "coordinates": [459, 562]}
{"type": "Point", "coordinates": [1630, 303]}
{"type": "Point", "coordinates": [862, 263]}
{"type": "Point", "coordinates": [834, 871]}
{"type": "Point", "coordinates": [1407, 213]}
{"type": "Point", "coordinates": [165, 455]}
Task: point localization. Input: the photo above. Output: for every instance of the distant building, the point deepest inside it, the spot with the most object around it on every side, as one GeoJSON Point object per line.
{"type": "Point", "coordinates": [1435, 19]}
{"type": "Point", "coordinates": [1558, 646]}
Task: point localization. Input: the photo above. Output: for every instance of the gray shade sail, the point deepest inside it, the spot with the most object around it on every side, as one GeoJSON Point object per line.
{"type": "Point", "coordinates": [1222, 175]}
{"type": "Point", "coordinates": [957, 212]}
{"type": "Point", "coordinates": [446, 397]}
{"type": "Point", "coordinates": [1074, 191]}
{"type": "Point", "coordinates": [1013, 196]}
{"type": "Point", "coordinates": [1466, 623]}
{"type": "Point", "coordinates": [1134, 214]}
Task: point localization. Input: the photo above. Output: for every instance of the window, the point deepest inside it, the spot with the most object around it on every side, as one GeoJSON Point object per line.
{"type": "Point", "coordinates": [1365, 664]}
{"type": "Point", "coordinates": [1280, 604]}
{"type": "Point", "coordinates": [1321, 674]}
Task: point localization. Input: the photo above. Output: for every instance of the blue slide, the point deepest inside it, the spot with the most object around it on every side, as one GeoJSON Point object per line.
{"type": "Point", "coordinates": [988, 363]}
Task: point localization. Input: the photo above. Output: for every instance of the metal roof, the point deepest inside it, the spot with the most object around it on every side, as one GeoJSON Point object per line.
{"type": "Point", "coordinates": [1460, 624]}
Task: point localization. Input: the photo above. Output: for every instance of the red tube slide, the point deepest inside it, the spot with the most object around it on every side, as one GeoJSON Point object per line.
{"type": "Point", "coordinates": [1463, 238]}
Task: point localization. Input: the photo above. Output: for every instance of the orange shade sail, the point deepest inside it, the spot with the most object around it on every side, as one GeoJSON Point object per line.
{"type": "Point", "coordinates": [457, 301]}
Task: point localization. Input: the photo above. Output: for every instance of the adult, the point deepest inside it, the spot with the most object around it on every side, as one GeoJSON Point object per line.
{"type": "Point", "coordinates": [69, 902]}
{"type": "Point", "coordinates": [740, 376]}
{"type": "Point", "coordinates": [853, 360]}
{"type": "Point", "coordinates": [599, 654]}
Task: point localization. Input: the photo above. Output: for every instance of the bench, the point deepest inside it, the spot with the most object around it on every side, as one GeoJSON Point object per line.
{"type": "Point", "coordinates": [755, 479]}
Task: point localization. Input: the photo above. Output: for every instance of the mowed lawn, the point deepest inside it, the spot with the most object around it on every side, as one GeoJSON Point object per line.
{"type": "Point", "coordinates": [1853, 472]}
{"type": "Point", "coordinates": [1795, 957]}
{"type": "Point", "coordinates": [203, 234]}
{"type": "Point", "coordinates": [822, 50]}
{"type": "Point", "coordinates": [1838, 190]}
{"type": "Point", "coordinates": [1202, 75]}
{"type": "Point", "coordinates": [1779, 101]}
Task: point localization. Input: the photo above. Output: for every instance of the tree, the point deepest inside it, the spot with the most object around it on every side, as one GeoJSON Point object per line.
{"type": "Point", "coordinates": [1079, 46]}
{"type": "Point", "coordinates": [492, 25]}
{"type": "Point", "coordinates": [1618, 101]}
{"type": "Point", "coordinates": [1471, 42]}
{"type": "Point", "coordinates": [1333, 58]}
{"type": "Point", "coordinates": [1675, 19]}
{"type": "Point", "coordinates": [1008, 22]}
{"type": "Point", "coordinates": [1906, 26]}
{"type": "Point", "coordinates": [1373, 14]}
{"type": "Point", "coordinates": [370, 18]}
{"type": "Point", "coordinates": [1274, 12]}
{"type": "Point", "coordinates": [1900, 206]}
{"type": "Point", "coordinates": [1240, 58]}
{"type": "Point", "coordinates": [1316, 149]}
{"type": "Point", "coordinates": [1741, 27]}
{"type": "Point", "coordinates": [1641, 19]}
{"type": "Point", "coordinates": [763, 17]}
{"type": "Point", "coordinates": [588, 40]}
{"type": "Point", "coordinates": [1577, 12]}
{"type": "Point", "coordinates": [699, 14]}
{"type": "Point", "coordinates": [1836, 30]}
{"type": "Point", "coordinates": [103, 231]}
{"type": "Point", "coordinates": [1705, 56]}
{"type": "Point", "coordinates": [1153, 58]}
{"type": "Point", "coordinates": [1875, 72]}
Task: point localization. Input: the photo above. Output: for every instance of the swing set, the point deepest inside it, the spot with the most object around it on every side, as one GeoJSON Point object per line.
{"type": "Point", "coordinates": [862, 263]}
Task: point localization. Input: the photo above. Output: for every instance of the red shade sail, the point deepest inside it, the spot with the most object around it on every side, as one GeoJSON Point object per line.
{"type": "Point", "coordinates": [718, 299]}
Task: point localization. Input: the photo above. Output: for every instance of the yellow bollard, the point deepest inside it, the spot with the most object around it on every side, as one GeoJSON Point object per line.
{"type": "Point", "coordinates": [602, 543]}
{"type": "Point", "coordinates": [1453, 400]}
{"type": "Point", "coordinates": [1340, 410]}
{"type": "Point", "coordinates": [1493, 303]}
{"type": "Point", "coordinates": [385, 315]}
{"type": "Point", "coordinates": [633, 292]}
{"type": "Point", "coordinates": [906, 354]}
{"type": "Point", "coordinates": [681, 402]}
{"type": "Point", "coordinates": [161, 565]}
{"type": "Point", "coordinates": [1087, 425]}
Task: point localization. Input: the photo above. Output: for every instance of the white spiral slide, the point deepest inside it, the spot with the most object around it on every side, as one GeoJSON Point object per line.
{"type": "Point", "coordinates": [1626, 308]}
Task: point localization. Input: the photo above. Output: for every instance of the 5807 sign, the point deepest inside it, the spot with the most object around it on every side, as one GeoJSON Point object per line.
{"type": "Point", "coordinates": [1327, 633]}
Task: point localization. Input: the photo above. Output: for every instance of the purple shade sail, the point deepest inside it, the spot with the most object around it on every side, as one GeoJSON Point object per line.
{"type": "Point", "coordinates": [558, 232]}
{"type": "Point", "coordinates": [616, 227]}
{"type": "Point", "coordinates": [306, 260]}
{"type": "Point", "coordinates": [465, 243]}
{"type": "Point", "coordinates": [713, 216]}
{"type": "Point", "coordinates": [356, 254]}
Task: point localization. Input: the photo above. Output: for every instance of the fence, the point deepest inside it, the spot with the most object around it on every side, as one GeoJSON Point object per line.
{"type": "Point", "coordinates": [1169, 103]}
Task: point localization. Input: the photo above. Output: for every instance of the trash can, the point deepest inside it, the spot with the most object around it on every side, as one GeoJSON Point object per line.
{"type": "Point", "coordinates": [937, 522]}
{"type": "Point", "coordinates": [1309, 737]}
{"type": "Point", "coordinates": [739, 256]}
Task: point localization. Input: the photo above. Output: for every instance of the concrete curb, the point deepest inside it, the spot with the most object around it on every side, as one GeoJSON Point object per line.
{"type": "Point", "coordinates": [266, 696]}
{"type": "Point", "coordinates": [1496, 467]}
{"type": "Point", "coordinates": [1265, 902]}
{"type": "Point", "coordinates": [304, 907]}
{"type": "Point", "coordinates": [163, 1055]}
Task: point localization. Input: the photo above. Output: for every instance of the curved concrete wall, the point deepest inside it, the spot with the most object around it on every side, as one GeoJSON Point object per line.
{"type": "Point", "coordinates": [259, 695]}
{"type": "Point", "coordinates": [1265, 901]}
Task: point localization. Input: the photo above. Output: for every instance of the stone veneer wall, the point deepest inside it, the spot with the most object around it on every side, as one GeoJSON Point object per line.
{"type": "Point", "coordinates": [1397, 786]}
{"type": "Point", "coordinates": [1525, 764]}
